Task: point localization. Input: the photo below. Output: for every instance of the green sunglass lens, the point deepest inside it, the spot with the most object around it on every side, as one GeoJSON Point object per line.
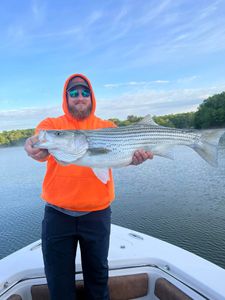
{"type": "Point", "coordinates": [85, 93]}
{"type": "Point", "coordinates": [74, 93]}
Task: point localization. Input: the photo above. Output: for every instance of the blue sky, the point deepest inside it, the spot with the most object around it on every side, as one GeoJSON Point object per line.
{"type": "Point", "coordinates": [142, 56]}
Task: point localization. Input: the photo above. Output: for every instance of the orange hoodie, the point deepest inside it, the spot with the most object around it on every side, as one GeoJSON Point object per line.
{"type": "Point", "coordinates": [74, 187]}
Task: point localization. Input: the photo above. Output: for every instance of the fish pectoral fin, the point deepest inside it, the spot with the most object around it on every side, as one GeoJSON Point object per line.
{"type": "Point", "coordinates": [163, 150]}
{"type": "Point", "coordinates": [101, 174]}
{"type": "Point", "coordinates": [99, 150]}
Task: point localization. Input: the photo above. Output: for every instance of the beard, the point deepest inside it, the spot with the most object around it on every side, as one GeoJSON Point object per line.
{"type": "Point", "coordinates": [80, 114]}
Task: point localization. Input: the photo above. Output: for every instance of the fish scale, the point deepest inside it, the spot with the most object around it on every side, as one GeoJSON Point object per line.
{"type": "Point", "coordinates": [144, 134]}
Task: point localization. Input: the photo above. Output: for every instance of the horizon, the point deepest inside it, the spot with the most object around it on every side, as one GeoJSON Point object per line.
{"type": "Point", "coordinates": [142, 57]}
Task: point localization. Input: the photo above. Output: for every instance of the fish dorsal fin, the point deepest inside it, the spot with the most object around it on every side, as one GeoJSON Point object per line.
{"type": "Point", "coordinates": [147, 120]}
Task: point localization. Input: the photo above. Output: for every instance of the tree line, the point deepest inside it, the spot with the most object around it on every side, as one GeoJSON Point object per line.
{"type": "Point", "coordinates": [210, 114]}
{"type": "Point", "coordinates": [15, 137]}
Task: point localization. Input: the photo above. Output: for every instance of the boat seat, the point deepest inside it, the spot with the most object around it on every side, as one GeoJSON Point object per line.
{"type": "Point", "coordinates": [128, 286]}
{"type": "Point", "coordinates": [165, 290]}
{"type": "Point", "coordinates": [14, 297]}
{"type": "Point", "coordinates": [120, 288]}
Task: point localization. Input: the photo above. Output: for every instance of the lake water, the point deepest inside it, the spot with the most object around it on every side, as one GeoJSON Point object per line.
{"type": "Point", "coordinates": [180, 201]}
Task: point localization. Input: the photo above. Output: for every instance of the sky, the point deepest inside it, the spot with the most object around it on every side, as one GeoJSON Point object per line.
{"type": "Point", "coordinates": [142, 56]}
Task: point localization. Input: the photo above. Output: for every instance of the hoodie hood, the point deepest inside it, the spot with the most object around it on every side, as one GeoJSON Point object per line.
{"type": "Point", "coordinates": [65, 104]}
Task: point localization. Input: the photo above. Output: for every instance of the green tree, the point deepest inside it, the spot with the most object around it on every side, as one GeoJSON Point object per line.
{"type": "Point", "coordinates": [211, 113]}
{"type": "Point", "coordinates": [15, 137]}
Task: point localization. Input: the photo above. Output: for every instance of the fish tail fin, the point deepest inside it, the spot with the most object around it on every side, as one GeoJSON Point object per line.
{"type": "Point", "coordinates": [207, 147]}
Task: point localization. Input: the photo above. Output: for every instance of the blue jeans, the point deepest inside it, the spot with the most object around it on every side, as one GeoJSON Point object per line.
{"type": "Point", "coordinates": [60, 235]}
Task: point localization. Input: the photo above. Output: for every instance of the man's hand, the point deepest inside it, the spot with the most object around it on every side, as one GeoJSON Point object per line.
{"type": "Point", "coordinates": [140, 156]}
{"type": "Point", "coordinates": [35, 153]}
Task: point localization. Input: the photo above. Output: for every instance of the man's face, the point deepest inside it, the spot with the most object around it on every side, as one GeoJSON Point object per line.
{"type": "Point", "coordinates": [79, 103]}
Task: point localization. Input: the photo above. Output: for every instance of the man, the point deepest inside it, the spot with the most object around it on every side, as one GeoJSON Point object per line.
{"type": "Point", "coordinates": [78, 204]}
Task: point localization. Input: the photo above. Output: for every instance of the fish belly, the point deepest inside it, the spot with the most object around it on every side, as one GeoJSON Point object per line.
{"type": "Point", "coordinates": [112, 160]}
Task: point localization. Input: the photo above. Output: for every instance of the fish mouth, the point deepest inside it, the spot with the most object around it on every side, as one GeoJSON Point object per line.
{"type": "Point", "coordinates": [37, 144]}
{"type": "Point", "coordinates": [42, 141]}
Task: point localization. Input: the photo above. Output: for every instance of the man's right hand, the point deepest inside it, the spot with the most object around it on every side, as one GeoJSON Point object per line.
{"type": "Point", "coordinates": [35, 153]}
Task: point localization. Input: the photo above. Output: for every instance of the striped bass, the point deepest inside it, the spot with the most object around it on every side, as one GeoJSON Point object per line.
{"type": "Point", "coordinates": [106, 148]}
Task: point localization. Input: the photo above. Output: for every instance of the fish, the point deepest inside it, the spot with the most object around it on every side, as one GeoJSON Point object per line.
{"type": "Point", "coordinates": [102, 149]}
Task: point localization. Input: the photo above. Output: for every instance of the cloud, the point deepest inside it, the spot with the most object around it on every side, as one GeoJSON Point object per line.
{"type": "Point", "coordinates": [27, 117]}
{"type": "Point", "coordinates": [16, 33]}
{"type": "Point", "coordinates": [172, 33]}
{"type": "Point", "coordinates": [158, 82]}
{"type": "Point", "coordinates": [152, 11]}
{"type": "Point", "coordinates": [156, 31]}
{"type": "Point", "coordinates": [155, 102]}
{"type": "Point", "coordinates": [134, 83]}
{"type": "Point", "coordinates": [38, 11]}
{"type": "Point", "coordinates": [187, 79]}
{"type": "Point", "coordinates": [93, 18]}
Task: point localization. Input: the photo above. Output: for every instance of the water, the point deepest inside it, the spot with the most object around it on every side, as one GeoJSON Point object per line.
{"type": "Point", "coordinates": [180, 201]}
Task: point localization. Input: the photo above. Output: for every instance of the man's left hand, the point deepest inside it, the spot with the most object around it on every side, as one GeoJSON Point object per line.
{"type": "Point", "coordinates": [140, 156]}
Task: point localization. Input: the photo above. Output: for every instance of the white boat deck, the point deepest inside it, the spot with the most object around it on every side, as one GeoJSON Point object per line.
{"type": "Point", "coordinates": [128, 249]}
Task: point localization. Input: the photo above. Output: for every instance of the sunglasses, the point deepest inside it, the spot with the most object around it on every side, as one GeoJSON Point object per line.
{"type": "Point", "coordinates": [74, 93]}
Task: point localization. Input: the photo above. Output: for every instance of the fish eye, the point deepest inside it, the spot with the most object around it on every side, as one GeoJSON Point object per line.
{"type": "Point", "coordinates": [58, 133]}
